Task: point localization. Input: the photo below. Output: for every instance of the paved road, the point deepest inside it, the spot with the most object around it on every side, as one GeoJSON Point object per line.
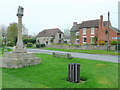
{"type": "Point", "coordinates": [108, 58]}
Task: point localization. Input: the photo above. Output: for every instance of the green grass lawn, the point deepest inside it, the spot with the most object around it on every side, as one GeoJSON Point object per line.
{"type": "Point", "coordinates": [53, 73]}
{"type": "Point", "coordinates": [3, 48]}
{"type": "Point", "coordinates": [85, 51]}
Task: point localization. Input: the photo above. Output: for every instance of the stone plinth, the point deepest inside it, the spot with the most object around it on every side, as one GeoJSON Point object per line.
{"type": "Point", "coordinates": [19, 60]}
{"type": "Point", "coordinates": [19, 57]}
{"type": "Point", "coordinates": [16, 49]}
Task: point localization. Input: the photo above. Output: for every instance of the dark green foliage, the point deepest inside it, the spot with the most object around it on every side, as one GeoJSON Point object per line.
{"type": "Point", "coordinates": [52, 39]}
{"type": "Point", "coordinates": [27, 40]}
{"type": "Point", "coordinates": [40, 45]}
{"type": "Point", "coordinates": [114, 43]}
{"type": "Point", "coordinates": [29, 44]}
{"type": "Point", "coordinates": [12, 32]}
{"type": "Point", "coordinates": [10, 44]}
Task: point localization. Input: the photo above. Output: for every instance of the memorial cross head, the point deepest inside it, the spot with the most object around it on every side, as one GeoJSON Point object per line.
{"type": "Point", "coordinates": [20, 11]}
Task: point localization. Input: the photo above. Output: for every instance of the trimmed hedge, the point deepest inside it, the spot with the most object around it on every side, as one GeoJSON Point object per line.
{"type": "Point", "coordinates": [40, 45]}
{"type": "Point", "coordinates": [29, 44]}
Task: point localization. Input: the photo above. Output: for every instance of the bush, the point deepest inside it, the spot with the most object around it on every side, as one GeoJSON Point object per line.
{"type": "Point", "coordinates": [29, 44]}
{"type": "Point", "coordinates": [10, 44]}
{"type": "Point", "coordinates": [101, 43]}
{"type": "Point", "coordinates": [113, 42]}
{"type": "Point", "coordinates": [40, 45]}
{"type": "Point", "coordinates": [27, 40]}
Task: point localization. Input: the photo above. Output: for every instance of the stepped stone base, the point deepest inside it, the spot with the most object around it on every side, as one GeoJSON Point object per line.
{"type": "Point", "coordinates": [18, 60]}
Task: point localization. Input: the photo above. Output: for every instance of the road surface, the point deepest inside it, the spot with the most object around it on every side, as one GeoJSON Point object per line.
{"type": "Point", "coordinates": [109, 58]}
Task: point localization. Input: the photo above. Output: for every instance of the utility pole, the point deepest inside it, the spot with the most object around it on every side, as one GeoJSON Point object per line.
{"type": "Point", "coordinates": [108, 34]}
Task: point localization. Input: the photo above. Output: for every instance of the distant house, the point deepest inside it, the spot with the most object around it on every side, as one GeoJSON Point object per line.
{"type": "Point", "coordinates": [74, 30]}
{"type": "Point", "coordinates": [114, 33]}
{"type": "Point", "coordinates": [67, 36]}
{"type": "Point", "coordinates": [67, 39]}
{"type": "Point", "coordinates": [48, 36]}
{"type": "Point", "coordinates": [86, 32]}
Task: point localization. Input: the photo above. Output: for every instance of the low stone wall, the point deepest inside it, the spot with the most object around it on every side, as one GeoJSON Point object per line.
{"type": "Point", "coordinates": [101, 47]}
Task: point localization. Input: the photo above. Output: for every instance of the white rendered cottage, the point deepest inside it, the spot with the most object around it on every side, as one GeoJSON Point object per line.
{"type": "Point", "coordinates": [48, 36]}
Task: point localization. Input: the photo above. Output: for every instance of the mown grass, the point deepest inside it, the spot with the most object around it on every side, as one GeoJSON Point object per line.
{"type": "Point", "coordinates": [105, 52]}
{"type": "Point", "coordinates": [53, 73]}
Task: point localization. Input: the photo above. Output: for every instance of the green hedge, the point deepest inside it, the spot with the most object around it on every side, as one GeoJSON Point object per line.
{"type": "Point", "coordinates": [40, 45]}
{"type": "Point", "coordinates": [114, 42]}
{"type": "Point", "coordinates": [29, 44]}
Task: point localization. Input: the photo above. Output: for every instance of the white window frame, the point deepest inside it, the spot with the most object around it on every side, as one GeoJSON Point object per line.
{"type": "Point", "coordinates": [91, 39]}
{"type": "Point", "coordinates": [77, 33]}
{"type": "Point", "coordinates": [77, 39]}
{"type": "Point", "coordinates": [84, 31]}
{"type": "Point", "coordinates": [92, 30]}
{"type": "Point", "coordinates": [83, 39]}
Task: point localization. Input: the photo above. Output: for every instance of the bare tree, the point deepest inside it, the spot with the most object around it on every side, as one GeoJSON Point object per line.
{"type": "Point", "coordinates": [24, 30]}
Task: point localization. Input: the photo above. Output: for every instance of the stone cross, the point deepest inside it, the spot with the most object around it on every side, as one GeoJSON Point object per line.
{"type": "Point", "coordinates": [19, 46]}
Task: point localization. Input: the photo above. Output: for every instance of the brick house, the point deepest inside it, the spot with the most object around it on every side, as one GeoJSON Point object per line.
{"type": "Point", "coordinates": [85, 32]}
{"type": "Point", "coordinates": [48, 36]}
{"type": "Point", "coordinates": [114, 33]}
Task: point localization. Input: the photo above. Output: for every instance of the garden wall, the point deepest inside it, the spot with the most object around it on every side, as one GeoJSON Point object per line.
{"type": "Point", "coordinates": [100, 47]}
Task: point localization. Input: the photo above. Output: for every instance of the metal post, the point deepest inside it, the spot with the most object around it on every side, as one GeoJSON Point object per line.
{"type": "Point", "coordinates": [108, 42]}
{"type": "Point", "coordinates": [74, 72]}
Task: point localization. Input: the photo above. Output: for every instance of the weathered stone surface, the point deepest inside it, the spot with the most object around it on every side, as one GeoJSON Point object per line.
{"type": "Point", "coordinates": [19, 60]}
{"type": "Point", "coordinates": [19, 57]}
{"type": "Point", "coordinates": [63, 55]}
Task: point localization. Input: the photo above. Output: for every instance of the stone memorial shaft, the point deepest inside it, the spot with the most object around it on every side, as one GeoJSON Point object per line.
{"type": "Point", "coordinates": [19, 40]}
{"type": "Point", "coordinates": [19, 46]}
{"type": "Point", "coordinates": [19, 57]}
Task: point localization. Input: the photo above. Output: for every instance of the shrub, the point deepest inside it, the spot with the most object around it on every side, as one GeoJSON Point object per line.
{"type": "Point", "coordinates": [113, 42]}
{"type": "Point", "coordinates": [27, 40]}
{"type": "Point", "coordinates": [101, 43]}
{"type": "Point", "coordinates": [40, 45]}
{"type": "Point", "coordinates": [29, 44]}
{"type": "Point", "coordinates": [10, 44]}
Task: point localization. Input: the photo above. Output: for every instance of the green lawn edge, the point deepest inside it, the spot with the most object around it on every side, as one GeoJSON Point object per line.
{"type": "Point", "coordinates": [52, 73]}
{"type": "Point", "coordinates": [102, 52]}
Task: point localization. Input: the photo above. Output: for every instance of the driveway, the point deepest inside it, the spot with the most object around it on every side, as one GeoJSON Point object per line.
{"type": "Point", "coordinates": [109, 58]}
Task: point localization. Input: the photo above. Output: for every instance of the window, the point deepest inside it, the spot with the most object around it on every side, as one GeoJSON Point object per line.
{"type": "Point", "coordinates": [106, 31]}
{"type": "Point", "coordinates": [77, 33]}
{"type": "Point", "coordinates": [92, 30]}
{"type": "Point", "coordinates": [84, 31]}
{"type": "Point", "coordinates": [77, 40]}
{"type": "Point", "coordinates": [92, 39]}
{"type": "Point", "coordinates": [59, 35]}
{"type": "Point", "coordinates": [84, 39]}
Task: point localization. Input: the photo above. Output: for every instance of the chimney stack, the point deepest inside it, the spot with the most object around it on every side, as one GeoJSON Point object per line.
{"type": "Point", "coordinates": [101, 23]}
{"type": "Point", "coordinates": [74, 23]}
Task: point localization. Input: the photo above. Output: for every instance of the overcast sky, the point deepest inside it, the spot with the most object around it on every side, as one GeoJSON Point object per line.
{"type": "Point", "coordinates": [44, 14]}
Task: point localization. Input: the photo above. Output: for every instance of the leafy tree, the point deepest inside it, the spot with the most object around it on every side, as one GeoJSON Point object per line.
{"type": "Point", "coordinates": [3, 34]}
{"type": "Point", "coordinates": [12, 32]}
